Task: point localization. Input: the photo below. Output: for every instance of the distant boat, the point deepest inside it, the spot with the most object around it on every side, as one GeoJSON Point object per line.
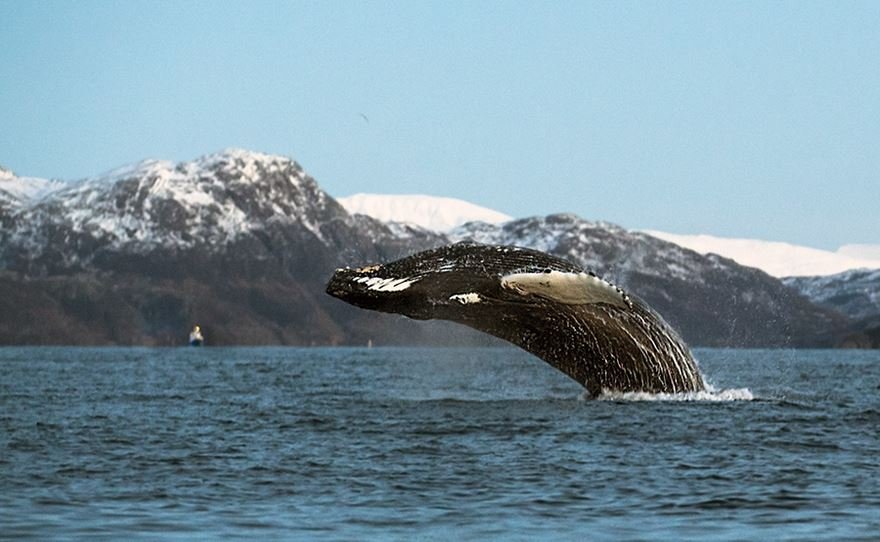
{"type": "Point", "coordinates": [195, 337]}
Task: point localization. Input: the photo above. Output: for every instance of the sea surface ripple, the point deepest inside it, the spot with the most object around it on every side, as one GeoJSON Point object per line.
{"type": "Point", "coordinates": [403, 443]}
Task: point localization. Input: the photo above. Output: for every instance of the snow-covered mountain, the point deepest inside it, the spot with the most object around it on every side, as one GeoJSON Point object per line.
{"type": "Point", "coordinates": [863, 252]}
{"type": "Point", "coordinates": [602, 246]}
{"type": "Point", "coordinates": [26, 189]}
{"type": "Point", "coordinates": [777, 258]}
{"type": "Point", "coordinates": [430, 212]}
{"type": "Point", "coordinates": [16, 192]}
{"type": "Point", "coordinates": [855, 293]}
{"type": "Point", "coordinates": [244, 206]}
{"type": "Point", "coordinates": [233, 200]}
{"type": "Point", "coordinates": [211, 200]}
{"type": "Point", "coordinates": [710, 299]}
{"type": "Point", "coordinates": [243, 242]}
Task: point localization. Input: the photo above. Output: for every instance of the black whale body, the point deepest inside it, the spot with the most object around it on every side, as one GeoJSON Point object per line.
{"type": "Point", "coordinates": [592, 331]}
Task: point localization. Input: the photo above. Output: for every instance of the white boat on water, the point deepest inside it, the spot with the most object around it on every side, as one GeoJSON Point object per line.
{"type": "Point", "coordinates": [195, 337]}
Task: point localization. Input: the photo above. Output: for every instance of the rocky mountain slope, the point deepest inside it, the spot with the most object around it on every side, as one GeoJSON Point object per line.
{"type": "Point", "coordinates": [855, 293]}
{"type": "Point", "coordinates": [710, 299]}
{"type": "Point", "coordinates": [209, 203]}
{"type": "Point", "coordinates": [243, 242]}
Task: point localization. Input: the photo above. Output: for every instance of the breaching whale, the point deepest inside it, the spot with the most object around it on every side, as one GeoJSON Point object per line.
{"type": "Point", "coordinates": [602, 337]}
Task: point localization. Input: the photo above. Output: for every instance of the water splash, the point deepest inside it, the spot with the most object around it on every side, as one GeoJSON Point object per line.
{"type": "Point", "coordinates": [710, 394]}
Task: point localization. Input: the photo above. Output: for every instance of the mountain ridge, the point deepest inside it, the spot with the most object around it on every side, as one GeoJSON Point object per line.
{"type": "Point", "coordinates": [777, 258]}
{"type": "Point", "coordinates": [702, 296]}
{"type": "Point", "coordinates": [243, 242]}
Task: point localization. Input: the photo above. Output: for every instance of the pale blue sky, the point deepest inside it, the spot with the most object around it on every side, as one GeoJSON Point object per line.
{"type": "Point", "coordinates": [737, 119]}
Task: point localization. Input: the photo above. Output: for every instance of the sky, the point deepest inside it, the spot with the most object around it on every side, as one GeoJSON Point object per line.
{"type": "Point", "coordinates": [741, 119]}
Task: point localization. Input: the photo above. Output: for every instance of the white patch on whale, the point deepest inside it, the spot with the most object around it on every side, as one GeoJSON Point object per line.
{"type": "Point", "coordinates": [567, 288]}
{"type": "Point", "coordinates": [378, 284]}
{"type": "Point", "coordinates": [464, 299]}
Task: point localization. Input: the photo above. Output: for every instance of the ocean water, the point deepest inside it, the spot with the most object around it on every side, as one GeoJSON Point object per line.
{"type": "Point", "coordinates": [470, 444]}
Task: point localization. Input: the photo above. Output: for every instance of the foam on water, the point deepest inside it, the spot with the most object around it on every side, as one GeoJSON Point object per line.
{"type": "Point", "coordinates": [709, 395]}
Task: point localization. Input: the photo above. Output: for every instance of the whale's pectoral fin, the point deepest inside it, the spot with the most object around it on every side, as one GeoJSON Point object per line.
{"type": "Point", "coordinates": [567, 288]}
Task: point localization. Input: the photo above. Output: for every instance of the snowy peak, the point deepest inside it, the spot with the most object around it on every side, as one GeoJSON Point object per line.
{"type": "Point", "coordinates": [213, 200]}
{"type": "Point", "coordinates": [248, 162]}
{"type": "Point", "coordinates": [433, 213]}
{"type": "Point", "coordinates": [246, 165]}
{"type": "Point", "coordinates": [602, 246]}
{"type": "Point", "coordinates": [24, 190]}
{"type": "Point", "coordinates": [855, 293]}
{"type": "Point", "coordinates": [779, 259]}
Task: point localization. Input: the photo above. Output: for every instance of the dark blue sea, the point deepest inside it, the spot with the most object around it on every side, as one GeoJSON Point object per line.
{"type": "Point", "coordinates": [435, 444]}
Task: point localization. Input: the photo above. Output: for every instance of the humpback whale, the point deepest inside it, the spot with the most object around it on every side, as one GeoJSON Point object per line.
{"type": "Point", "coordinates": [599, 335]}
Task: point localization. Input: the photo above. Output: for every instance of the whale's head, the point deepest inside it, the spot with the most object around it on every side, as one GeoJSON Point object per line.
{"type": "Point", "coordinates": [419, 286]}
{"type": "Point", "coordinates": [440, 283]}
